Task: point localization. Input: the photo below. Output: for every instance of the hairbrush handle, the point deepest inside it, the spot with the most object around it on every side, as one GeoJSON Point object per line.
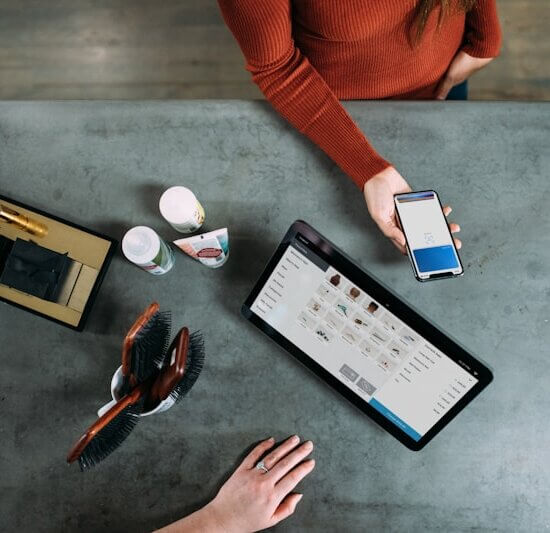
{"type": "Point", "coordinates": [171, 375]}
{"type": "Point", "coordinates": [130, 399]}
{"type": "Point", "coordinates": [130, 337]}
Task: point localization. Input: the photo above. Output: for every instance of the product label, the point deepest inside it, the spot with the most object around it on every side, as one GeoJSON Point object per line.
{"type": "Point", "coordinates": [200, 214]}
{"type": "Point", "coordinates": [209, 252]}
{"type": "Point", "coordinates": [195, 221]}
{"type": "Point", "coordinates": [155, 269]}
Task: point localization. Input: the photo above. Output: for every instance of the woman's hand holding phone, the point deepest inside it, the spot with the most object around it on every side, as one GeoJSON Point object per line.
{"type": "Point", "coordinates": [379, 192]}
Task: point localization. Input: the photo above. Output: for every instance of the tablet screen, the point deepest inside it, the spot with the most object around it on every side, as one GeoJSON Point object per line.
{"type": "Point", "coordinates": [355, 338]}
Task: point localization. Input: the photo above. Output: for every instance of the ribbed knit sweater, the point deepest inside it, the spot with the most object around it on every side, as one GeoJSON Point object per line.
{"type": "Point", "coordinates": [306, 55]}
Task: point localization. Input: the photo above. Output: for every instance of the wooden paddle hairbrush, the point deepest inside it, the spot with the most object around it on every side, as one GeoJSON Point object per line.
{"type": "Point", "coordinates": [145, 345]}
{"type": "Point", "coordinates": [183, 364]}
{"type": "Point", "coordinates": [110, 430]}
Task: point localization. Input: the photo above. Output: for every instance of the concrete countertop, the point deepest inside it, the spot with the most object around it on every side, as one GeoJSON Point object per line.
{"type": "Point", "coordinates": [105, 164]}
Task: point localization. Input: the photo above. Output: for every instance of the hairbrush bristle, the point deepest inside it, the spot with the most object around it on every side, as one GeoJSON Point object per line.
{"type": "Point", "coordinates": [151, 345]}
{"type": "Point", "coordinates": [110, 437]}
{"type": "Point", "coordinates": [193, 366]}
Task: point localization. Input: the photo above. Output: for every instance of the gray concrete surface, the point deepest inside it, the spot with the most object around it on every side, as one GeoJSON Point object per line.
{"type": "Point", "coordinates": [104, 165]}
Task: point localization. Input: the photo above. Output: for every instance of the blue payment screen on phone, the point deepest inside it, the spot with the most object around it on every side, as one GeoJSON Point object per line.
{"type": "Point", "coordinates": [427, 234]}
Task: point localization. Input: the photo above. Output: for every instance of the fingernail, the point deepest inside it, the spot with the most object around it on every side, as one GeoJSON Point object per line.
{"type": "Point", "coordinates": [309, 445]}
{"type": "Point", "coordinates": [271, 439]}
{"type": "Point", "coordinates": [312, 461]}
{"type": "Point", "coordinates": [295, 438]}
{"type": "Point", "coordinates": [300, 496]}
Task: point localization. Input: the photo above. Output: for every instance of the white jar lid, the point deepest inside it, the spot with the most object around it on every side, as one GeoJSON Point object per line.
{"type": "Point", "coordinates": [177, 204]}
{"type": "Point", "coordinates": [141, 244]}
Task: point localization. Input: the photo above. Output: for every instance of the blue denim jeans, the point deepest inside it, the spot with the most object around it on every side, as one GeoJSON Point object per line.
{"type": "Point", "coordinates": [459, 92]}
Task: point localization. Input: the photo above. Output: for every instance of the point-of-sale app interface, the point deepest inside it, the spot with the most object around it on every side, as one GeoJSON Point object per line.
{"type": "Point", "coordinates": [356, 339]}
{"type": "Point", "coordinates": [427, 233]}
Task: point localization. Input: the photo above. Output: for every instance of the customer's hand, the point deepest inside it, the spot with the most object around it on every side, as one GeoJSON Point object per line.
{"type": "Point", "coordinates": [460, 69]}
{"type": "Point", "coordinates": [251, 499]}
{"type": "Point", "coordinates": [379, 191]}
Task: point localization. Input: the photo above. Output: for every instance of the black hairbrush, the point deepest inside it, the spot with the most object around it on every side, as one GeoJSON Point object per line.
{"type": "Point", "coordinates": [110, 430]}
{"type": "Point", "coordinates": [145, 346]}
{"type": "Point", "coordinates": [193, 367]}
{"type": "Point", "coordinates": [185, 360]}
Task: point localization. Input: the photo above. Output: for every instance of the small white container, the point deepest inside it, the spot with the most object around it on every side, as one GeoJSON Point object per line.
{"type": "Point", "coordinates": [116, 383]}
{"type": "Point", "coordinates": [181, 209]}
{"type": "Point", "coordinates": [143, 247]}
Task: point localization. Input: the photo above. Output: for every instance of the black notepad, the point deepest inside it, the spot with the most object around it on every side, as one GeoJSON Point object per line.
{"type": "Point", "coordinates": [35, 270]}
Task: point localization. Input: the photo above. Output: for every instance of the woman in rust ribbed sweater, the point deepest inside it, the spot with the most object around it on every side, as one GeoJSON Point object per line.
{"type": "Point", "coordinates": [306, 55]}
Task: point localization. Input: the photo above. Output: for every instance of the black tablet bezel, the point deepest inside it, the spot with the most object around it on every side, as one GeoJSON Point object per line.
{"type": "Point", "coordinates": [366, 281]}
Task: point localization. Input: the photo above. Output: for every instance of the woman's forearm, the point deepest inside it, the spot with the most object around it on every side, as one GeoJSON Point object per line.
{"type": "Point", "coordinates": [202, 520]}
{"type": "Point", "coordinates": [295, 89]}
{"type": "Point", "coordinates": [299, 93]}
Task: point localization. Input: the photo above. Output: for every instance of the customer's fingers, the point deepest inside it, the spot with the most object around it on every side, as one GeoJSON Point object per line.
{"type": "Point", "coordinates": [395, 234]}
{"type": "Point", "coordinates": [390, 230]}
{"type": "Point", "coordinates": [458, 243]}
{"type": "Point", "coordinates": [286, 507]}
{"type": "Point", "coordinates": [289, 482]}
{"type": "Point", "coordinates": [398, 240]}
{"type": "Point", "coordinates": [255, 455]}
{"type": "Point", "coordinates": [454, 227]}
{"type": "Point", "coordinates": [400, 247]}
{"type": "Point", "coordinates": [272, 458]}
{"type": "Point", "coordinates": [287, 463]}
{"type": "Point", "coordinates": [447, 210]}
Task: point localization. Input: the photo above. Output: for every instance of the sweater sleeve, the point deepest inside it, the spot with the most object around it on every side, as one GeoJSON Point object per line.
{"type": "Point", "coordinates": [294, 88]}
{"type": "Point", "coordinates": [483, 36]}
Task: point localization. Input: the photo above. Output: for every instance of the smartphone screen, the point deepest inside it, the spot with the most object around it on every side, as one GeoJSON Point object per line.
{"type": "Point", "coordinates": [429, 240]}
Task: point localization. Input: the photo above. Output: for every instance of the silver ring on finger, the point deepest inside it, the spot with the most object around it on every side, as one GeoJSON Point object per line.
{"type": "Point", "coordinates": [260, 465]}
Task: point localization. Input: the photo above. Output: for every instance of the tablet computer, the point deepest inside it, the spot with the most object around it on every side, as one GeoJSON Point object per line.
{"type": "Point", "coordinates": [362, 339]}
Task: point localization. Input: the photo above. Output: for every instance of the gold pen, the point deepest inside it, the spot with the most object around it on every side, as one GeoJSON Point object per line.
{"type": "Point", "coordinates": [23, 222]}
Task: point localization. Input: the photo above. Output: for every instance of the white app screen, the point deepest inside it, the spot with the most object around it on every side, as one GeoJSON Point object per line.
{"type": "Point", "coordinates": [356, 339]}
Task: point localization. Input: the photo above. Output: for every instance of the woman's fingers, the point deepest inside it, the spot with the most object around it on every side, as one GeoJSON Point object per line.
{"type": "Point", "coordinates": [255, 455]}
{"type": "Point", "coordinates": [286, 507]}
{"type": "Point", "coordinates": [287, 463]}
{"type": "Point", "coordinates": [395, 234]}
{"type": "Point", "coordinates": [271, 459]}
{"type": "Point", "coordinates": [289, 482]}
{"type": "Point", "coordinates": [454, 227]}
{"type": "Point", "coordinates": [391, 231]}
{"type": "Point", "coordinates": [400, 247]}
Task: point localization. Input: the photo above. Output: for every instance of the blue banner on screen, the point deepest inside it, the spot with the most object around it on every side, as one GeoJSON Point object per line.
{"type": "Point", "coordinates": [395, 419]}
{"type": "Point", "coordinates": [436, 258]}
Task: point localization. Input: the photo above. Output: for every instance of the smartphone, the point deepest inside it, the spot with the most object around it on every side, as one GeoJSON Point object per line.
{"type": "Point", "coordinates": [430, 245]}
